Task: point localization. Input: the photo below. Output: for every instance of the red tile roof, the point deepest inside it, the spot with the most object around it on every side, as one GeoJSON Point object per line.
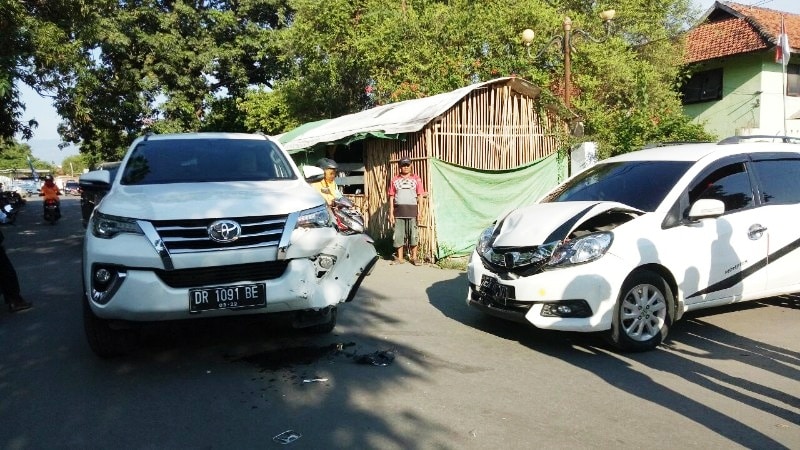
{"type": "Point", "coordinates": [732, 28]}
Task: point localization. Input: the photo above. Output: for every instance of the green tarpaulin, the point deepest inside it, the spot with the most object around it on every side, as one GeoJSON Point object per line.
{"type": "Point", "coordinates": [466, 201]}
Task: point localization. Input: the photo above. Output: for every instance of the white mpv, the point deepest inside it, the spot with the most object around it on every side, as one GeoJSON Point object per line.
{"type": "Point", "coordinates": [631, 244]}
{"type": "Point", "coordinates": [212, 225]}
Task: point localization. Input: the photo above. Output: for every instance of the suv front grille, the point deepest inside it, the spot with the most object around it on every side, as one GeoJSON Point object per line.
{"type": "Point", "coordinates": [184, 236]}
{"type": "Point", "coordinates": [211, 276]}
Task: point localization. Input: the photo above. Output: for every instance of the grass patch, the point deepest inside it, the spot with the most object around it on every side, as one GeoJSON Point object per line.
{"type": "Point", "coordinates": [453, 263]}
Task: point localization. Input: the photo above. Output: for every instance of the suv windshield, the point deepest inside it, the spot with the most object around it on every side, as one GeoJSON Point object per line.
{"type": "Point", "coordinates": [200, 160]}
{"type": "Point", "coordinates": [640, 184]}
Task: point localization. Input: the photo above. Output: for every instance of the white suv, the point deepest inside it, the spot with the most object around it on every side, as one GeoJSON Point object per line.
{"type": "Point", "coordinates": [212, 225]}
{"type": "Point", "coordinates": [632, 243]}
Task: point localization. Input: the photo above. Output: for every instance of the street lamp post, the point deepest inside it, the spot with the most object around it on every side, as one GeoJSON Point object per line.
{"type": "Point", "coordinates": [566, 49]}
{"type": "Point", "coordinates": [566, 46]}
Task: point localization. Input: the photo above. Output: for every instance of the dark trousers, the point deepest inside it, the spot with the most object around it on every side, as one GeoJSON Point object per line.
{"type": "Point", "coordinates": [9, 283]}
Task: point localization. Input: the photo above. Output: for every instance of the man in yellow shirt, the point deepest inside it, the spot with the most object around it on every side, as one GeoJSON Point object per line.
{"type": "Point", "coordinates": [327, 185]}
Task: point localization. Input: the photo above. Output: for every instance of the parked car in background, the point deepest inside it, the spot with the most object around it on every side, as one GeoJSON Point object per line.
{"type": "Point", "coordinates": [631, 244]}
{"type": "Point", "coordinates": [72, 188]}
{"type": "Point", "coordinates": [27, 187]}
{"type": "Point", "coordinates": [204, 225]}
{"type": "Point", "coordinates": [92, 192]}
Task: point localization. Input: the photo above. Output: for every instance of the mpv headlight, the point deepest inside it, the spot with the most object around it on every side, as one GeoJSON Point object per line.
{"type": "Point", "coordinates": [314, 218]}
{"type": "Point", "coordinates": [582, 250]}
{"type": "Point", "coordinates": [105, 226]}
{"type": "Point", "coordinates": [485, 241]}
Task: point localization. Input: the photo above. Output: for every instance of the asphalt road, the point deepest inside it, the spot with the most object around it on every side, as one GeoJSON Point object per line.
{"type": "Point", "coordinates": [728, 378]}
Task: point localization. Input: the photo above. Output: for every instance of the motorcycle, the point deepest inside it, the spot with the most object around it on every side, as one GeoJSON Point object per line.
{"type": "Point", "coordinates": [348, 218]}
{"type": "Point", "coordinates": [52, 211]}
{"type": "Point", "coordinates": [8, 213]}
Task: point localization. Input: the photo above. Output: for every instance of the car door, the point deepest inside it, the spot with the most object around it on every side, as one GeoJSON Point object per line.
{"type": "Point", "coordinates": [724, 258]}
{"type": "Point", "coordinates": [778, 176]}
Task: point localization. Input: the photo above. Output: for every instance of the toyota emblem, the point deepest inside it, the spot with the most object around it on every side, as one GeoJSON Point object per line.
{"type": "Point", "coordinates": [224, 231]}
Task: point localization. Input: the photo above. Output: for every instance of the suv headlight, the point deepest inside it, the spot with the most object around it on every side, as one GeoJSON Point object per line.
{"type": "Point", "coordinates": [582, 250]}
{"type": "Point", "coordinates": [314, 218]}
{"type": "Point", "coordinates": [105, 226]}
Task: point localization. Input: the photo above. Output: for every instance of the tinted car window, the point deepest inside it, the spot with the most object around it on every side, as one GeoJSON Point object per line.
{"type": "Point", "coordinates": [199, 160]}
{"type": "Point", "coordinates": [641, 184]}
{"type": "Point", "coordinates": [729, 183]}
{"type": "Point", "coordinates": [780, 180]}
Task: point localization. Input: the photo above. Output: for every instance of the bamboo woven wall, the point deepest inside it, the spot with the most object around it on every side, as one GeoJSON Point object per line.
{"type": "Point", "coordinates": [494, 128]}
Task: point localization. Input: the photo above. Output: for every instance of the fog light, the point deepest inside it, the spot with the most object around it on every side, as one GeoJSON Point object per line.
{"type": "Point", "coordinates": [102, 275]}
{"type": "Point", "coordinates": [105, 282]}
{"type": "Point", "coordinates": [567, 308]}
{"type": "Point", "coordinates": [563, 310]}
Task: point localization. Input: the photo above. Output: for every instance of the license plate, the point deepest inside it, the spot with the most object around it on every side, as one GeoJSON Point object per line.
{"type": "Point", "coordinates": [495, 291]}
{"type": "Point", "coordinates": [228, 297]}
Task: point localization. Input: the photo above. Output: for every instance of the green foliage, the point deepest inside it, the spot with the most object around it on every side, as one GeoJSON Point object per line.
{"type": "Point", "coordinates": [267, 111]}
{"type": "Point", "coordinates": [14, 155]}
{"type": "Point", "coordinates": [119, 69]}
{"type": "Point", "coordinates": [75, 165]}
{"type": "Point", "coordinates": [345, 56]}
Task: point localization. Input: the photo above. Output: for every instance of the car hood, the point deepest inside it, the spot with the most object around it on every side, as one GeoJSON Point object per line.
{"type": "Point", "coordinates": [210, 200]}
{"type": "Point", "coordinates": [543, 223]}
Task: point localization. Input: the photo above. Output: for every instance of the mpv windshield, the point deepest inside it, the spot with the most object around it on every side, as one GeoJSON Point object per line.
{"type": "Point", "coordinates": [640, 184]}
{"type": "Point", "coordinates": [201, 160]}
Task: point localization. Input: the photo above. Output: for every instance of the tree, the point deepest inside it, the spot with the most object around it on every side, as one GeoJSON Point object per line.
{"type": "Point", "coordinates": [118, 69]}
{"type": "Point", "coordinates": [39, 50]}
{"type": "Point", "coordinates": [168, 66]}
{"type": "Point", "coordinates": [74, 165]}
{"type": "Point", "coordinates": [345, 56]}
{"type": "Point", "coordinates": [14, 155]}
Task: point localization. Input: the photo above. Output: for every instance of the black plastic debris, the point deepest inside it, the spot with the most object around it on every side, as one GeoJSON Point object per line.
{"type": "Point", "coordinates": [284, 358]}
{"type": "Point", "coordinates": [287, 437]}
{"type": "Point", "coordinates": [379, 358]}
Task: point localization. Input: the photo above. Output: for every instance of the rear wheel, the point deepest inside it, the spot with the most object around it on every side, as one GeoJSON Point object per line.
{"type": "Point", "coordinates": [105, 339]}
{"type": "Point", "coordinates": [643, 313]}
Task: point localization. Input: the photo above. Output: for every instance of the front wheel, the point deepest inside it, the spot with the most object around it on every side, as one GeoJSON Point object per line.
{"type": "Point", "coordinates": [643, 313]}
{"type": "Point", "coordinates": [105, 339]}
{"type": "Point", "coordinates": [323, 322]}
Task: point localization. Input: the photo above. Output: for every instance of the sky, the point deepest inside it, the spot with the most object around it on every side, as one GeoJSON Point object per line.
{"type": "Point", "coordinates": [44, 143]}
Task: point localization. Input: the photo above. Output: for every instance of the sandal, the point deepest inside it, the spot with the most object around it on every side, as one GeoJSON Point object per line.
{"type": "Point", "coordinates": [397, 261]}
{"type": "Point", "coordinates": [20, 305]}
{"type": "Point", "coordinates": [416, 262]}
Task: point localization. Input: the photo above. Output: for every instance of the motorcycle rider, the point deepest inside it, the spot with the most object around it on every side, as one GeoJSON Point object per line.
{"type": "Point", "coordinates": [327, 185]}
{"type": "Point", "coordinates": [50, 192]}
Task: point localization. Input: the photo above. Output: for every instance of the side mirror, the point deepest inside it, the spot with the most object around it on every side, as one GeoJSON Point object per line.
{"type": "Point", "coordinates": [312, 174]}
{"type": "Point", "coordinates": [706, 208]}
{"type": "Point", "coordinates": [101, 177]}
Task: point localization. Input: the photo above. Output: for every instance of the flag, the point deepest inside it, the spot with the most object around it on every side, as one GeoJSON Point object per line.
{"type": "Point", "coordinates": [33, 171]}
{"type": "Point", "coordinates": [783, 51]}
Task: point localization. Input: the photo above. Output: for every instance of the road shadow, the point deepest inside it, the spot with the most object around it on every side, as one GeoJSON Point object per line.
{"type": "Point", "coordinates": [208, 384]}
{"type": "Point", "coordinates": [690, 353]}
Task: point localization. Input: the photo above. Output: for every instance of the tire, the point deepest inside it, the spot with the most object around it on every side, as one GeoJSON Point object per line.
{"type": "Point", "coordinates": [643, 313]}
{"type": "Point", "coordinates": [325, 327]}
{"type": "Point", "coordinates": [105, 340]}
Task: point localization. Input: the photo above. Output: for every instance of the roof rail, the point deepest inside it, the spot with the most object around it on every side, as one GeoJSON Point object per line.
{"type": "Point", "coordinates": [755, 137]}
{"type": "Point", "coordinates": [667, 144]}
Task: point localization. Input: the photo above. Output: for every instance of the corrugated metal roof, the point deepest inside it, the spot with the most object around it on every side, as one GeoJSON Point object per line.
{"type": "Point", "coordinates": [395, 118]}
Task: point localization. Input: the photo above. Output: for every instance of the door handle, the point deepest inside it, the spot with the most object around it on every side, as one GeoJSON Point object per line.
{"type": "Point", "coordinates": [756, 231]}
